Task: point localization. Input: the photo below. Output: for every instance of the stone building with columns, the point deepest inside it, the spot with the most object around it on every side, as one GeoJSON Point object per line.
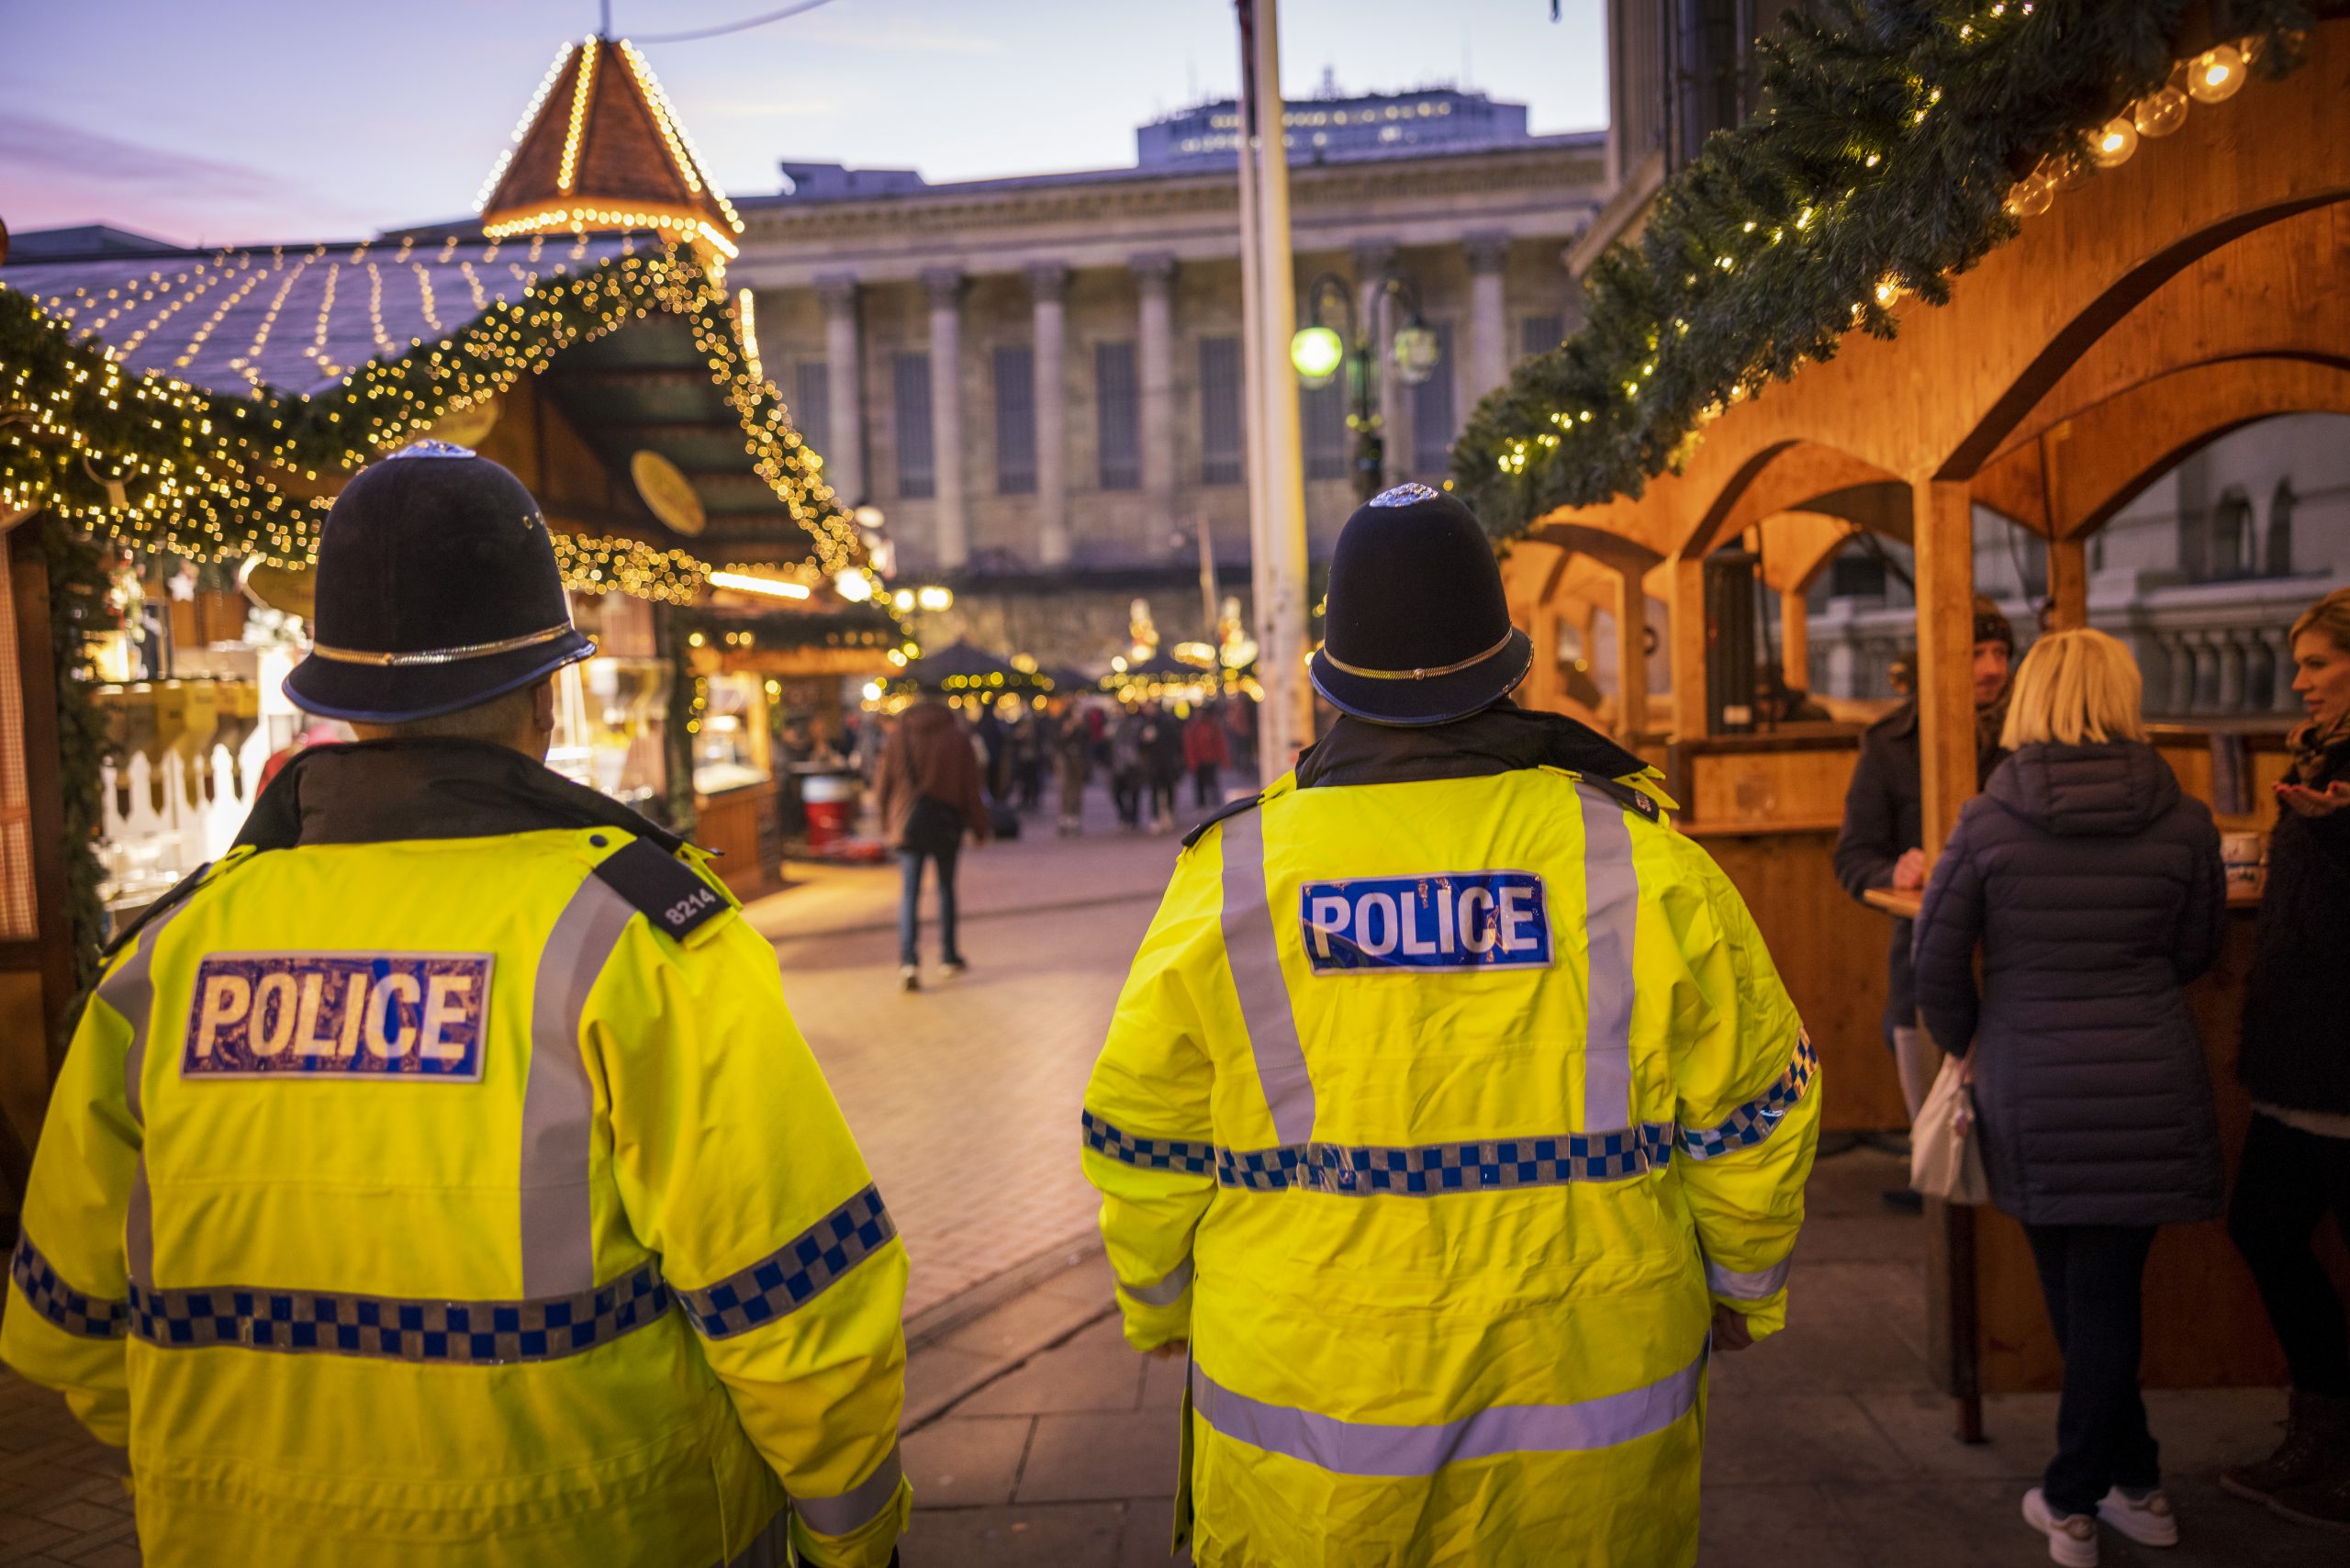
{"type": "Point", "coordinates": [1037, 380]}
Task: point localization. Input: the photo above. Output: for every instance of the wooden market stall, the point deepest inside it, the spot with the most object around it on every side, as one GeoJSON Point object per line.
{"type": "Point", "coordinates": [2135, 309]}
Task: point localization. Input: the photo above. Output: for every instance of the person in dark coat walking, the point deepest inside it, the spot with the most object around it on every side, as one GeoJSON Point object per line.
{"type": "Point", "coordinates": [1206, 752]}
{"type": "Point", "coordinates": [1883, 834]}
{"type": "Point", "coordinates": [2295, 1060]}
{"type": "Point", "coordinates": [929, 788]}
{"type": "Point", "coordinates": [1162, 760]}
{"type": "Point", "coordinates": [2093, 886]}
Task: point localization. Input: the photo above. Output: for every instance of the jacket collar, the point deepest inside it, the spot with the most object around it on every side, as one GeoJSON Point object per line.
{"type": "Point", "coordinates": [1500, 739]}
{"type": "Point", "coordinates": [379, 791]}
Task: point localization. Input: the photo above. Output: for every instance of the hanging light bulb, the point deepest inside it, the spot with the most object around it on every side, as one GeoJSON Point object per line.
{"type": "Point", "coordinates": [2160, 112]}
{"type": "Point", "coordinates": [2029, 196]}
{"type": "Point", "coordinates": [2215, 74]}
{"type": "Point", "coordinates": [2111, 147]}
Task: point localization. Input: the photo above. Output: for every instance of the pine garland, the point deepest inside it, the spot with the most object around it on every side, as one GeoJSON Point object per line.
{"type": "Point", "coordinates": [77, 613]}
{"type": "Point", "coordinates": [1895, 132]}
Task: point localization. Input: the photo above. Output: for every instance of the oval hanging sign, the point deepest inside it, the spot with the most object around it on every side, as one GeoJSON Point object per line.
{"type": "Point", "coordinates": [467, 426]}
{"type": "Point", "coordinates": [667, 491]}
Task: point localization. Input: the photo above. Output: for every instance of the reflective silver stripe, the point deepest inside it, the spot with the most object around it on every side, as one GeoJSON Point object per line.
{"type": "Point", "coordinates": [1611, 905]}
{"type": "Point", "coordinates": [1167, 1291]}
{"type": "Point", "coordinates": [1759, 1285]}
{"type": "Point", "coordinates": [130, 991]}
{"type": "Point", "coordinates": [859, 1505]}
{"type": "Point", "coordinates": [1253, 949]}
{"type": "Point", "coordinates": [558, 1105]}
{"type": "Point", "coordinates": [1366, 1448]}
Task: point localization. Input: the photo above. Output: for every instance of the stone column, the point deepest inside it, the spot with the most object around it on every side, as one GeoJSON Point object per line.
{"type": "Point", "coordinates": [1489, 355]}
{"type": "Point", "coordinates": [953, 538]}
{"type": "Point", "coordinates": [843, 387]}
{"type": "Point", "coordinates": [1048, 285]}
{"type": "Point", "coordinates": [1371, 262]}
{"type": "Point", "coordinates": [1155, 368]}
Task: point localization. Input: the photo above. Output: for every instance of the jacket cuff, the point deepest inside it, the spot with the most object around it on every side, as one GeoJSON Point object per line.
{"type": "Point", "coordinates": [1151, 1322]}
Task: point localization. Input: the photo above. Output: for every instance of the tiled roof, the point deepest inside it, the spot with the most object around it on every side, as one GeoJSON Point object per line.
{"type": "Point", "coordinates": [297, 318]}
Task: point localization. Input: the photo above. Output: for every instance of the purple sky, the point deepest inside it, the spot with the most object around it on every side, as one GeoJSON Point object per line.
{"type": "Point", "coordinates": [240, 121]}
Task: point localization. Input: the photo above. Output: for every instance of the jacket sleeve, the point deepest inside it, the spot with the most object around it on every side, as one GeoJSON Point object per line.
{"type": "Point", "coordinates": [734, 1164]}
{"type": "Point", "coordinates": [1147, 1131]}
{"type": "Point", "coordinates": [1865, 846]}
{"type": "Point", "coordinates": [1747, 1083]}
{"type": "Point", "coordinates": [2203, 923]}
{"type": "Point", "coordinates": [69, 1307]}
{"type": "Point", "coordinates": [1950, 924]}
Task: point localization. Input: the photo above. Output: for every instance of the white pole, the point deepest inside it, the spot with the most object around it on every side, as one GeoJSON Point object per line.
{"type": "Point", "coordinates": [1277, 525]}
{"type": "Point", "coordinates": [1252, 378]}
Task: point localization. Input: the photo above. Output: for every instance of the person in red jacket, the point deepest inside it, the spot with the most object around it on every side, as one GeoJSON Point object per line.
{"type": "Point", "coordinates": [929, 790]}
{"type": "Point", "coordinates": [1206, 751]}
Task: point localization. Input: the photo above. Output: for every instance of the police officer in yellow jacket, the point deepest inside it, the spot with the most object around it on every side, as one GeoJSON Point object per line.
{"type": "Point", "coordinates": [1452, 1113]}
{"type": "Point", "coordinates": [439, 1177]}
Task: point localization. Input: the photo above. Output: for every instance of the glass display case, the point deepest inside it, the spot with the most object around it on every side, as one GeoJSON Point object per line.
{"type": "Point", "coordinates": [612, 715]}
{"type": "Point", "coordinates": [730, 749]}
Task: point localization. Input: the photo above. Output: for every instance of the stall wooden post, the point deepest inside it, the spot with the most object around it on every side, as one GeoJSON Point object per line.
{"type": "Point", "coordinates": [2068, 584]}
{"type": "Point", "coordinates": [1542, 681]}
{"type": "Point", "coordinates": [1631, 655]}
{"type": "Point", "coordinates": [1794, 639]}
{"type": "Point", "coordinates": [1688, 646]}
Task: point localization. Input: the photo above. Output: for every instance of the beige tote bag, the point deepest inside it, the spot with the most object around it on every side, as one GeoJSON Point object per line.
{"type": "Point", "coordinates": [1945, 1149]}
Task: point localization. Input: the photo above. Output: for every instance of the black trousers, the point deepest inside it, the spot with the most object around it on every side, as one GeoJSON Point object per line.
{"type": "Point", "coordinates": [2288, 1182]}
{"type": "Point", "coordinates": [2091, 1276]}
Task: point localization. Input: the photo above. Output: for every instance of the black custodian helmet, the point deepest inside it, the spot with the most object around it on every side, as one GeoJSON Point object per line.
{"type": "Point", "coordinates": [1418, 629]}
{"type": "Point", "coordinates": [437, 590]}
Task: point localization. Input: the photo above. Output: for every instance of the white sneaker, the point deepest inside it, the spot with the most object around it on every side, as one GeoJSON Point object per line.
{"type": "Point", "coordinates": [2145, 1519]}
{"type": "Point", "coordinates": [909, 978]}
{"type": "Point", "coordinates": [2072, 1538]}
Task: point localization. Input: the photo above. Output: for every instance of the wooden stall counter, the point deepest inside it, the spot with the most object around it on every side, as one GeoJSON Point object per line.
{"type": "Point", "coordinates": [2205, 1327]}
{"type": "Point", "coordinates": [738, 826]}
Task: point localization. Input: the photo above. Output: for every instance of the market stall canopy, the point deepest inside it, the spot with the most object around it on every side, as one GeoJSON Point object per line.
{"type": "Point", "coordinates": [599, 147]}
{"type": "Point", "coordinates": [959, 664]}
{"type": "Point", "coordinates": [215, 401]}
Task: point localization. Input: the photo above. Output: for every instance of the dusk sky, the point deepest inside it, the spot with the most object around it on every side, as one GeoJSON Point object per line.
{"type": "Point", "coordinates": [245, 120]}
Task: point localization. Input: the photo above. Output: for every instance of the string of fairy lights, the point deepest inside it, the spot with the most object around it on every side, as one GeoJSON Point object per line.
{"type": "Point", "coordinates": [156, 464]}
{"type": "Point", "coordinates": [1819, 216]}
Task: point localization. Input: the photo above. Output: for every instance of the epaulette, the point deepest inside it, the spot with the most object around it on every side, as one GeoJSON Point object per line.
{"type": "Point", "coordinates": [1231, 809]}
{"type": "Point", "coordinates": [1624, 795]}
{"type": "Point", "coordinates": [672, 896]}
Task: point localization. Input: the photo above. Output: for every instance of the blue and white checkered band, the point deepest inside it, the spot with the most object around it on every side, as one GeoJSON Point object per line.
{"type": "Point", "coordinates": [1401, 496]}
{"type": "Point", "coordinates": [431, 449]}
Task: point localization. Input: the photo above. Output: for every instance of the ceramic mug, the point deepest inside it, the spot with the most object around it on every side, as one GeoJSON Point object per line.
{"type": "Point", "coordinates": [2245, 857]}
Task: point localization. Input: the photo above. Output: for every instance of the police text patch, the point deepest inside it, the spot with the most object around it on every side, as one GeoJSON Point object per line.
{"type": "Point", "coordinates": [1449, 920]}
{"type": "Point", "coordinates": [412, 1015]}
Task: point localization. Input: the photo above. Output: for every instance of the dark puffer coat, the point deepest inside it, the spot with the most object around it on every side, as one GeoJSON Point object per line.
{"type": "Point", "coordinates": [2296, 1004]}
{"type": "Point", "coordinates": [2094, 889]}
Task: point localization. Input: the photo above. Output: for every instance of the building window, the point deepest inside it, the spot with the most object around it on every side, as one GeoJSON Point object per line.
{"type": "Point", "coordinates": [812, 405]}
{"type": "Point", "coordinates": [1540, 334]}
{"type": "Point", "coordinates": [1220, 456]}
{"type": "Point", "coordinates": [2276, 559]}
{"type": "Point", "coordinates": [1117, 412]}
{"type": "Point", "coordinates": [1432, 417]}
{"type": "Point", "coordinates": [909, 385]}
{"type": "Point", "coordinates": [1016, 421]}
{"type": "Point", "coordinates": [1322, 417]}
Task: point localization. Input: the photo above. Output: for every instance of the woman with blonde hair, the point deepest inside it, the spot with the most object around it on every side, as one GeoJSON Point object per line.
{"type": "Point", "coordinates": [2296, 1064]}
{"type": "Point", "coordinates": [2093, 887]}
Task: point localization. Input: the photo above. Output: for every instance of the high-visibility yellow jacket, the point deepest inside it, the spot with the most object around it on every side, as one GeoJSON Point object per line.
{"type": "Point", "coordinates": [1436, 1116]}
{"type": "Point", "coordinates": [464, 1200]}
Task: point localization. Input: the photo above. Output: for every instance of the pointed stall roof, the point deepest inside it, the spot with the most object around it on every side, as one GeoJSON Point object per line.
{"type": "Point", "coordinates": [600, 148]}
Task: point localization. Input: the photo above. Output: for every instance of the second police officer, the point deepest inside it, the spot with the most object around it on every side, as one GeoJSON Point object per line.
{"type": "Point", "coordinates": [440, 1179]}
{"type": "Point", "coordinates": [1452, 1113]}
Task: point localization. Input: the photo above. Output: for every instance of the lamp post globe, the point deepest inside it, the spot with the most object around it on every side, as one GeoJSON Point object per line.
{"type": "Point", "coordinates": [1416, 351]}
{"type": "Point", "coordinates": [1316, 352]}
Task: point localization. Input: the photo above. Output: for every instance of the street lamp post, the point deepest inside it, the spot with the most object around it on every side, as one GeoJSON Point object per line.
{"type": "Point", "coordinates": [1317, 353]}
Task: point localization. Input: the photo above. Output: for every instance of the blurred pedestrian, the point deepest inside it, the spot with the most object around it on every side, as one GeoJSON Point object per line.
{"type": "Point", "coordinates": [1881, 845]}
{"type": "Point", "coordinates": [439, 1179]}
{"type": "Point", "coordinates": [2092, 886]}
{"type": "Point", "coordinates": [1128, 762]}
{"type": "Point", "coordinates": [1028, 748]}
{"type": "Point", "coordinates": [1162, 761]}
{"type": "Point", "coordinates": [2294, 1062]}
{"type": "Point", "coordinates": [931, 795]}
{"type": "Point", "coordinates": [1073, 764]}
{"type": "Point", "coordinates": [1206, 751]}
{"type": "Point", "coordinates": [1459, 927]}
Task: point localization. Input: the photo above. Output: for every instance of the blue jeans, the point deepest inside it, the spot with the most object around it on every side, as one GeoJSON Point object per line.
{"type": "Point", "coordinates": [910, 862]}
